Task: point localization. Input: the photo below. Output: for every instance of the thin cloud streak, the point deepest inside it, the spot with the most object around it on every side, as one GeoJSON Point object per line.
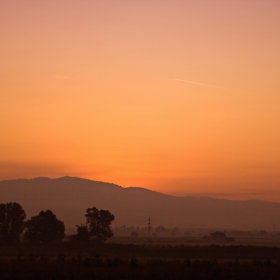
{"type": "Point", "coordinates": [196, 83]}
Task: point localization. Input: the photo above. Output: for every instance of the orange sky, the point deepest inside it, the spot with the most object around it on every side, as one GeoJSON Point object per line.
{"type": "Point", "coordinates": [97, 89]}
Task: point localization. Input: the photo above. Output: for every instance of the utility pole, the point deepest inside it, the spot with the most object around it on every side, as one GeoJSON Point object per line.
{"type": "Point", "coordinates": [149, 226]}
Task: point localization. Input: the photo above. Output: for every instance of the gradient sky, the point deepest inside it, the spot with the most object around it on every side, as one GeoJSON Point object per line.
{"type": "Point", "coordinates": [99, 89]}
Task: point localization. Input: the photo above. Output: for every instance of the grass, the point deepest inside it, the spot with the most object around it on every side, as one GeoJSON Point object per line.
{"type": "Point", "coordinates": [139, 261]}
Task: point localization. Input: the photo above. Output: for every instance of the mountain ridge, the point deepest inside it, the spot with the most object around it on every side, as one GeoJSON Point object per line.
{"type": "Point", "coordinates": [69, 197]}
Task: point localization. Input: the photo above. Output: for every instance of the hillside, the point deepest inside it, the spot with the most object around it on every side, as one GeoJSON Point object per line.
{"type": "Point", "coordinates": [69, 197]}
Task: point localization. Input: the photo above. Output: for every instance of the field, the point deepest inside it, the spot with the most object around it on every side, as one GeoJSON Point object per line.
{"type": "Point", "coordinates": [197, 240]}
{"type": "Point", "coordinates": [158, 258]}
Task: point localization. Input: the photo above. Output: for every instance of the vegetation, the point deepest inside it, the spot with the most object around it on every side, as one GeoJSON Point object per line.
{"type": "Point", "coordinates": [45, 258]}
{"type": "Point", "coordinates": [97, 227]}
{"type": "Point", "coordinates": [67, 260]}
{"type": "Point", "coordinates": [219, 236]}
{"type": "Point", "coordinates": [134, 234]}
{"type": "Point", "coordinates": [99, 223]}
{"type": "Point", "coordinates": [82, 234]}
{"type": "Point", "coordinates": [12, 218]}
{"type": "Point", "coordinates": [44, 228]}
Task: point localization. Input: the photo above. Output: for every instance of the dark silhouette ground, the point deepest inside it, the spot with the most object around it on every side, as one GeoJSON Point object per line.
{"type": "Point", "coordinates": [118, 261]}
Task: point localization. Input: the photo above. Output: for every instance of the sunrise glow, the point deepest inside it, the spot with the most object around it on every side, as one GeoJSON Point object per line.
{"type": "Point", "coordinates": [181, 97]}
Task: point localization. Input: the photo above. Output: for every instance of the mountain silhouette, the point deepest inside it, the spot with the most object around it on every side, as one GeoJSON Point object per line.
{"type": "Point", "coordinates": [69, 197]}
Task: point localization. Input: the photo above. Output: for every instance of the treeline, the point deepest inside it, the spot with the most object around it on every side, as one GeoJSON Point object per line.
{"type": "Point", "coordinates": [157, 231]}
{"type": "Point", "coordinates": [45, 227]}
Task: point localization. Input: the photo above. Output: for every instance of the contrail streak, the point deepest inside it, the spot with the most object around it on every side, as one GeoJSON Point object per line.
{"type": "Point", "coordinates": [191, 82]}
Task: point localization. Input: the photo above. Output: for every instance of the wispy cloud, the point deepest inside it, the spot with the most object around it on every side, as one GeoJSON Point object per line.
{"type": "Point", "coordinates": [201, 84]}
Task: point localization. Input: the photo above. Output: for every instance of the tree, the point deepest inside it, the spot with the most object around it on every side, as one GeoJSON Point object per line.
{"type": "Point", "coordinates": [12, 218]}
{"type": "Point", "coordinates": [175, 231]}
{"type": "Point", "coordinates": [161, 230]}
{"type": "Point", "coordinates": [44, 228]}
{"type": "Point", "coordinates": [82, 234]}
{"type": "Point", "coordinates": [134, 234]}
{"type": "Point", "coordinates": [218, 235]}
{"type": "Point", "coordinates": [98, 223]}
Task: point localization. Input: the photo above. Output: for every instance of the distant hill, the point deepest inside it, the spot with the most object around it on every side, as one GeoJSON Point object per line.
{"type": "Point", "coordinates": [69, 197]}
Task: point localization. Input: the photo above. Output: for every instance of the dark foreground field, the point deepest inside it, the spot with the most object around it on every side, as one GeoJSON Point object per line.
{"type": "Point", "coordinates": [124, 261]}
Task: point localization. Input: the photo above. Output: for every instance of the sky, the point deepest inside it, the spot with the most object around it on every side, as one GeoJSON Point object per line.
{"type": "Point", "coordinates": [180, 97]}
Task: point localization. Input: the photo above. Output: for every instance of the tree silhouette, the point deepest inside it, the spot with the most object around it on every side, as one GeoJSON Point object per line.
{"type": "Point", "coordinates": [161, 230]}
{"type": "Point", "coordinates": [12, 218]}
{"type": "Point", "coordinates": [44, 228]}
{"type": "Point", "coordinates": [134, 234]}
{"type": "Point", "coordinates": [98, 223]}
{"type": "Point", "coordinates": [82, 234]}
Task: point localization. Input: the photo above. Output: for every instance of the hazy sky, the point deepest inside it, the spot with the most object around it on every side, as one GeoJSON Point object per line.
{"type": "Point", "coordinates": [99, 89]}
